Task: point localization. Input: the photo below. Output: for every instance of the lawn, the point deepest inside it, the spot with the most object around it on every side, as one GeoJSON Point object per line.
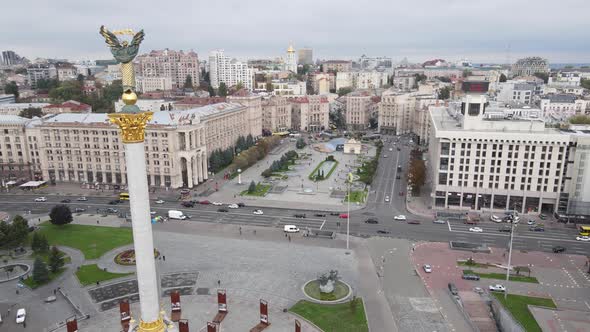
{"type": "Point", "coordinates": [474, 264]}
{"type": "Point", "coordinates": [90, 274]}
{"type": "Point", "coordinates": [314, 173]}
{"type": "Point", "coordinates": [502, 276]}
{"type": "Point", "coordinates": [357, 196]}
{"type": "Point", "coordinates": [517, 305]}
{"type": "Point", "coordinates": [334, 317]}
{"type": "Point", "coordinates": [33, 284]}
{"type": "Point", "coordinates": [261, 190]}
{"type": "Point", "coordinates": [93, 241]}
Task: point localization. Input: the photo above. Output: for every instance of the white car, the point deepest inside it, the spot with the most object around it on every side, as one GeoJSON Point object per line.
{"type": "Point", "coordinates": [233, 206]}
{"type": "Point", "coordinates": [497, 288]}
{"type": "Point", "coordinates": [159, 201]}
{"type": "Point", "coordinates": [82, 199]}
{"type": "Point", "coordinates": [476, 229]}
{"type": "Point", "coordinates": [41, 199]}
{"type": "Point", "coordinates": [390, 149]}
{"type": "Point", "coordinates": [258, 212]}
{"type": "Point", "coordinates": [400, 217]}
{"type": "Point", "coordinates": [495, 218]}
{"type": "Point", "coordinates": [427, 268]}
{"type": "Point", "coordinates": [21, 314]}
{"type": "Point", "coordinates": [217, 203]}
{"type": "Point", "coordinates": [387, 198]}
{"type": "Point", "coordinates": [439, 221]}
{"type": "Point", "coordinates": [583, 238]}
{"type": "Point", "coordinates": [153, 213]}
{"type": "Point", "coordinates": [530, 222]}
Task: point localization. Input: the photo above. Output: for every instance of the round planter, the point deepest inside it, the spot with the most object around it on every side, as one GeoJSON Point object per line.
{"type": "Point", "coordinates": [127, 257]}
{"type": "Point", "coordinates": [339, 285]}
{"type": "Point", "coordinates": [24, 267]}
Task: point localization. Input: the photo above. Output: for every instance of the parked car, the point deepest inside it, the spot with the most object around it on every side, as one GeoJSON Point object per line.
{"type": "Point", "coordinates": [470, 277]}
{"type": "Point", "coordinates": [497, 288]}
{"type": "Point", "coordinates": [299, 215]}
{"type": "Point", "coordinates": [371, 221]}
{"type": "Point", "coordinates": [205, 202]}
{"type": "Point", "coordinates": [291, 229]}
{"type": "Point", "coordinates": [233, 206]}
{"type": "Point", "coordinates": [537, 229]}
{"type": "Point", "coordinates": [320, 214]}
{"type": "Point", "coordinates": [66, 200]}
{"type": "Point", "coordinates": [82, 199]}
{"type": "Point", "coordinates": [241, 205]}
{"type": "Point", "coordinates": [21, 315]}
{"type": "Point", "coordinates": [476, 229]}
{"type": "Point", "coordinates": [542, 216]}
{"type": "Point", "coordinates": [506, 229]}
{"type": "Point", "coordinates": [111, 210]}
{"type": "Point", "coordinates": [439, 221]}
{"type": "Point", "coordinates": [343, 216]}
{"type": "Point", "coordinates": [258, 212]}
{"type": "Point", "coordinates": [427, 268]}
{"type": "Point", "coordinates": [531, 222]}
{"type": "Point", "coordinates": [79, 210]}
{"type": "Point", "coordinates": [478, 290]}
{"type": "Point", "coordinates": [453, 289]}
{"type": "Point", "coordinates": [495, 218]}
{"type": "Point", "coordinates": [397, 177]}
{"type": "Point", "coordinates": [222, 210]}
{"type": "Point", "coordinates": [159, 201]}
{"type": "Point", "coordinates": [399, 217]}
{"type": "Point", "coordinates": [387, 198]}
{"type": "Point", "coordinates": [384, 156]}
{"type": "Point", "coordinates": [382, 231]}
{"type": "Point", "coordinates": [558, 249]}
{"type": "Point", "coordinates": [188, 204]}
{"type": "Point", "coordinates": [41, 199]}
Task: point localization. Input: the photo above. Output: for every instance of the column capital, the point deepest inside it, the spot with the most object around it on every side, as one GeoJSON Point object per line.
{"type": "Point", "coordinates": [132, 125]}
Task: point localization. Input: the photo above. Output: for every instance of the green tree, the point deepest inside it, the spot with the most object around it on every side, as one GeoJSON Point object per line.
{"type": "Point", "coordinates": [205, 76]}
{"type": "Point", "coordinates": [11, 88]}
{"type": "Point", "coordinates": [300, 144]}
{"type": "Point", "coordinates": [211, 91]}
{"type": "Point", "coordinates": [40, 272]}
{"type": "Point", "coordinates": [252, 187]}
{"type": "Point", "coordinates": [47, 84]}
{"type": "Point", "coordinates": [467, 73]}
{"type": "Point", "coordinates": [344, 91]}
{"type": "Point", "coordinates": [56, 260]}
{"type": "Point", "coordinates": [543, 76]}
{"type": "Point", "coordinates": [444, 93]}
{"type": "Point", "coordinates": [420, 78]}
{"type": "Point", "coordinates": [239, 86]}
{"type": "Point", "coordinates": [68, 90]}
{"type": "Point", "coordinates": [43, 243]}
{"type": "Point", "coordinates": [17, 232]}
{"type": "Point", "coordinates": [31, 112]}
{"type": "Point", "coordinates": [585, 82]}
{"type": "Point", "coordinates": [580, 119]}
{"type": "Point", "coordinates": [4, 232]}
{"type": "Point", "coordinates": [188, 83]}
{"type": "Point", "coordinates": [61, 215]}
{"type": "Point", "coordinates": [249, 141]}
{"type": "Point", "coordinates": [35, 242]}
{"type": "Point", "coordinates": [80, 78]}
{"type": "Point", "coordinates": [502, 78]}
{"type": "Point", "coordinates": [222, 91]}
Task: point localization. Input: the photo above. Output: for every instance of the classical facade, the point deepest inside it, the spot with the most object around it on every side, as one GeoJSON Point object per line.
{"type": "Point", "coordinates": [175, 65]}
{"type": "Point", "coordinates": [336, 65]}
{"type": "Point", "coordinates": [276, 114]}
{"type": "Point", "coordinates": [360, 106]}
{"type": "Point", "coordinates": [403, 113]}
{"type": "Point", "coordinates": [310, 113]}
{"type": "Point", "coordinates": [253, 105]}
{"type": "Point", "coordinates": [529, 66]}
{"type": "Point", "coordinates": [561, 107]}
{"type": "Point", "coordinates": [148, 84]}
{"type": "Point", "coordinates": [66, 71]}
{"type": "Point", "coordinates": [16, 159]}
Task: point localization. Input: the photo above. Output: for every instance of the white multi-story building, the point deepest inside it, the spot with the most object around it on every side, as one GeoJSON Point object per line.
{"type": "Point", "coordinates": [276, 114]}
{"type": "Point", "coordinates": [229, 71]}
{"type": "Point", "coordinates": [361, 79]}
{"type": "Point", "coordinates": [40, 72]}
{"type": "Point", "coordinates": [176, 65]}
{"type": "Point", "coordinates": [560, 107]}
{"type": "Point", "coordinates": [310, 113]}
{"type": "Point", "coordinates": [66, 71]}
{"type": "Point", "coordinates": [148, 84]}
{"type": "Point", "coordinates": [321, 83]}
{"type": "Point", "coordinates": [565, 79]}
{"type": "Point", "coordinates": [284, 88]}
{"type": "Point", "coordinates": [514, 92]}
{"type": "Point", "coordinates": [373, 63]}
{"type": "Point", "coordinates": [291, 63]}
{"type": "Point", "coordinates": [403, 112]}
{"type": "Point", "coordinates": [253, 104]}
{"type": "Point", "coordinates": [529, 66]}
{"type": "Point", "coordinates": [17, 108]}
{"type": "Point", "coordinates": [483, 162]}
{"type": "Point", "coordinates": [15, 158]}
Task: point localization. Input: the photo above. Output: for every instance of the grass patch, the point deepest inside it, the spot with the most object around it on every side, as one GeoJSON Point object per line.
{"type": "Point", "coordinates": [313, 289]}
{"type": "Point", "coordinates": [52, 276]}
{"type": "Point", "coordinates": [90, 274]}
{"type": "Point", "coordinates": [93, 241]}
{"type": "Point", "coordinates": [314, 173]}
{"type": "Point", "coordinates": [261, 190]}
{"type": "Point", "coordinates": [357, 196]}
{"type": "Point", "coordinates": [502, 276]}
{"type": "Point", "coordinates": [474, 264]}
{"type": "Point", "coordinates": [334, 317]}
{"type": "Point", "coordinates": [517, 305]}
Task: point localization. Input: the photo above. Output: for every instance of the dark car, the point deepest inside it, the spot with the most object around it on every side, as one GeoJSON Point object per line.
{"type": "Point", "coordinates": [398, 177]}
{"type": "Point", "coordinates": [334, 213]}
{"type": "Point", "coordinates": [537, 229]}
{"type": "Point", "coordinates": [320, 214]}
{"type": "Point", "coordinates": [79, 210]}
{"type": "Point", "coordinates": [299, 215]}
{"type": "Point", "coordinates": [241, 205]}
{"type": "Point", "coordinates": [114, 202]}
{"type": "Point", "coordinates": [414, 222]}
{"type": "Point", "coordinates": [470, 277]}
{"type": "Point", "coordinates": [66, 200]}
{"type": "Point", "coordinates": [505, 229]}
{"type": "Point", "coordinates": [222, 210]}
{"type": "Point", "coordinates": [558, 249]}
{"type": "Point", "coordinates": [188, 204]}
{"type": "Point", "coordinates": [453, 289]}
{"type": "Point", "coordinates": [371, 221]}
{"type": "Point", "coordinates": [382, 231]}
{"type": "Point", "coordinates": [111, 210]}
{"type": "Point", "coordinates": [542, 216]}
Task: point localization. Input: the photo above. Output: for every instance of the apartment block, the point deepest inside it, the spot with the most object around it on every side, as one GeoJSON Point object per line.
{"type": "Point", "coordinates": [310, 113]}
{"type": "Point", "coordinates": [276, 114]}
{"type": "Point", "coordinates": [175, 65]}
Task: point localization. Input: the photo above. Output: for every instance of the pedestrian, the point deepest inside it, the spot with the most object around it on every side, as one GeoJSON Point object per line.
{"type": "Point", "coordinates": [164, 258]}
{"type": "Point", "coordinates": [240, 230]}
{"type": "Point", "coordinates": [289, 238]}
{"type": "Point", "coordinates": [285, 234]}
{"type": "Point", "coordinates": [54, 291]}
{"type": "Point", "coordinates": [218, 283]}
{"type": "Point", "coordinates": [97, 283]}
{"type": "Point", "coordinates": [97, 222]}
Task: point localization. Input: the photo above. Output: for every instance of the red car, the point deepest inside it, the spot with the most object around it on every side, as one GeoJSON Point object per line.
{"type": "Point", "coordinates": [343, 216]}
{"type": "Point", "coordinates": [401, 193]}
{"type": "Point", "coordinates": [204, 202]}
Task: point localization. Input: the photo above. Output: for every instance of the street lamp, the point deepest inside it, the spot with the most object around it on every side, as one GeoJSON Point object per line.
{"type": "Point", "coordinates": [239, 176]}
{"type": "Point", "coordinates": [348, 212]}
{"type": "Point", "coordinates": [512, 226]}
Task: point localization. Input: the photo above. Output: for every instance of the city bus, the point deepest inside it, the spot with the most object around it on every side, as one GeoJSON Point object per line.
{"type": "Point", "coordinates": [124, 196]}
{"type": "Point", "coordinates": [584, 230]}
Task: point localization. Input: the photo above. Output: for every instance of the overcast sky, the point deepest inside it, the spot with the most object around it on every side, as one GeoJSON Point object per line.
{"type": "Point", "coordinates": [479, 30]}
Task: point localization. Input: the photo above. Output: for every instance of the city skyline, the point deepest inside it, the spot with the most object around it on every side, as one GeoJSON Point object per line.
{"type": "Point", "coordinates": [373, 32]}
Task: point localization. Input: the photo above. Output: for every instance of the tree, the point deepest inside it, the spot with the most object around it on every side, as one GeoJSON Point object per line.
{"type": "Point", "coordinates": [467, 73]}
{"type": "Point", "coordinates": [222, 91]}
{"type": "Point", "coordinates": [373, 122]}
{"type": "Point", "coordinates": [31, 112]}
{"type": "Point", "coordinates": [40, 272]}
{"type": "Point", "coordinates": [47, 84]}
{"type": "Point", "coordinates": [61, 215]}
{"type": "Point", "coordinates": [211, 91]}
{"type": "Point", "coordinates": [269, 86]}
{"type": "Point", "coordinates": [68, 90]}
{"type": "Point", "coordinates": [239, 86]}
{"type": "Point", "coordinates": [188, 83]}
{"type": "Point", "coordinates": [344, 91]}
{"type": "Point", "coordinates": [11, 88]}
{"type": "Point", "coordinates": [17, 232]}
{"type": "Point", "coordinates": [300, 143]}
{"type": "Point", "coordinates": [444, 93]}
{"type": "Point", "coordinates": [43, 243]}
{"type": "Point", "coordinates": [35, 241]}
{"type": "Point", "coordinates": [249, 141]}
{"type": "Point", "coordinates": [252, 187]}
{"type": "Point", "coordinates": [205, 76]}
{"type": "Point", "coordinates": [585, 83]}
{"type": "Point", "coordinates": [80, 78]}
{"type": "Point", "coordinates": [56, 260]}
{"type": "Point", "coordinates": [420, 78]}
{"type": "Point", "coordinates": [543, 76]}
{"type": "Point", "coordinates": [502, 78]}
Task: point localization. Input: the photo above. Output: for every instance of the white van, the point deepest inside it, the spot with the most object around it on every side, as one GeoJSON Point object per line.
{"type": "Point", "coordinates": [291, 229]}
{"type": "Point", "coordinates": [174, 214]}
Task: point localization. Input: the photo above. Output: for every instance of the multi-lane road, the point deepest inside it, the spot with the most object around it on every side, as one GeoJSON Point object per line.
{"type": "Point", "coordinates": [385, 184]}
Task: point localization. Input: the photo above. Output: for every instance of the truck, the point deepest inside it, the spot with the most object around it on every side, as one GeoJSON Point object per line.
{"type": "Point", "coordinates": [175, 214]}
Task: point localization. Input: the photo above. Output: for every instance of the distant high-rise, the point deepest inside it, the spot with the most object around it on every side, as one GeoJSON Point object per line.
{"type": "Point", "coordinates": [291, 64]}
{"type": "Point", "coordinates": [305, 56]}
{"type": "Point", "coordinates": [10, 58]}
{"type": "Point", "coordinates": [177, 65]}
{"type": "Point", "coordinates": [229, 71]}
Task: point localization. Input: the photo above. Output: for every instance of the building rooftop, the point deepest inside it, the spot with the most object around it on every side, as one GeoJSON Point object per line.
{"type": "Point", "coordinates": [73, 105]}
{"type": "Point", "coordinates": [561, 98]}
{"type": "Point", "coordinates": [6, 119]}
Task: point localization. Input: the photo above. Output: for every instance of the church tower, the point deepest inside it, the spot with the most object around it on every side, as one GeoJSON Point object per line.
{"type": "Point", "coordinates": [291, 64]}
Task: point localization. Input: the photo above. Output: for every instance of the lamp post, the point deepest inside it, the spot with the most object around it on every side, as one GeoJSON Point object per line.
{"type": "Point", "coordinates": [349, 179]}
{"type": "Point", "coordinates": [509, 258]}
{"type": "Point", "coordinates": [239, 176]}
